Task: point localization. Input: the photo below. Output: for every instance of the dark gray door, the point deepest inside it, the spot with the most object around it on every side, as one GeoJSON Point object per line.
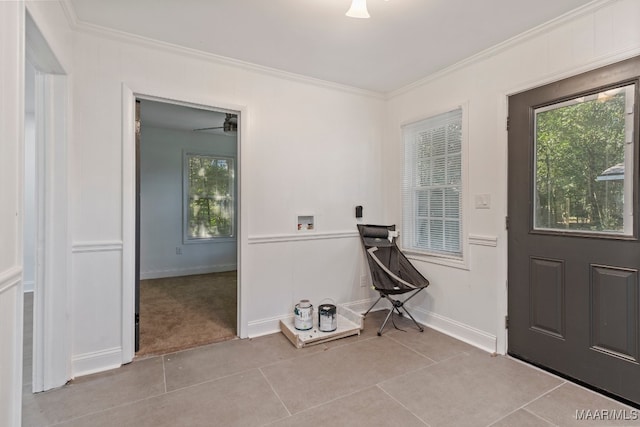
{"type": "Point", "coordinates": [574, 254]}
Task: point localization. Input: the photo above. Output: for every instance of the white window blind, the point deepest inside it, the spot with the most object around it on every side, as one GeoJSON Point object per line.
{"type": "Point", "coordinates": [432, 185]}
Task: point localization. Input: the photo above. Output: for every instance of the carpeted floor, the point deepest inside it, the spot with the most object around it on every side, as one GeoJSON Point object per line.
{"type": "Point", "coordinates": [177, 313]}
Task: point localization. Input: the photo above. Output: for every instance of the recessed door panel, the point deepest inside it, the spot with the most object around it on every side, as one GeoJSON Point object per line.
{"type": "Point", "coordinates": [614, 311]}
{"type": "Point", "coordinates": [546, 287]}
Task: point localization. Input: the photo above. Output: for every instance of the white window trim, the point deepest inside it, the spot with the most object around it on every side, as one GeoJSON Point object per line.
{"type": "Point", "coordinates": [431, 257]}
{"type": "Point", "coordinates": [185, 199]}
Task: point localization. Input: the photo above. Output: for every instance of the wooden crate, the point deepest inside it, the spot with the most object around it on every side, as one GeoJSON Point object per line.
{"type": "Point", "coordinates": [348, 323]}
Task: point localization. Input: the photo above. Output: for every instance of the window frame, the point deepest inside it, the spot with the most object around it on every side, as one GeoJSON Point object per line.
{"type": "Point", "coordinates": [629, 213]}
{"type": "Point", "coordinates": [456, 261]}
{"type": "Point", "coordinates": [186, 184]}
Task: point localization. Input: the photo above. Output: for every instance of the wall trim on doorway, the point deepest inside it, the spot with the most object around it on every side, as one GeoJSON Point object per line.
{"type": "Point", "coordinates": [97, 361]}
{"type": "Point", "coordinates": [129, 96]}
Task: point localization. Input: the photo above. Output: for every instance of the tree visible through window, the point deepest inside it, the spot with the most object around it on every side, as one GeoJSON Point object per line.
{"type": "Point", "coordinates": [584, 163]}
{"type": "Point", "coordinates": [209, 191]}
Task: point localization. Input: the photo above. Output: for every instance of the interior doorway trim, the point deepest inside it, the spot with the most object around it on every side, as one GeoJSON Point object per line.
{"type": "Point", "coordinates": [52, 327]}
{"type": "Point", "coordinates": [129, 96]}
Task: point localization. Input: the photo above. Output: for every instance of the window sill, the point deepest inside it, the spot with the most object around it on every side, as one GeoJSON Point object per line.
{"type": "Point", "coordinates": [459, 263]}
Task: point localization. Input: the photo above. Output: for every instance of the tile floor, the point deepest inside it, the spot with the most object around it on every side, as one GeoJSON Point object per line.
{"type": "Point", "coordinates": [399, 379]}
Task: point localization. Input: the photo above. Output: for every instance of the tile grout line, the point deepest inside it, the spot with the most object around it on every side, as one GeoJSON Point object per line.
{"type": "Point", "coordinates": [541, 417]}
{"type": "Point", "coordinates": [327, 402]}
{"type": "Point", "coordinates": [523, 406]}
{"type": "Point", "coordinates": [402, 404]}
{"type": "Point", "coordinates": [274, 391]}
{"type": "Point", "coordinates": [414, 351]}
{"type": "Point", "coordinates": [130, 403]}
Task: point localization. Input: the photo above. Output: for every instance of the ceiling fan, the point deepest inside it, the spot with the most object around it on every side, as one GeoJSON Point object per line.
{"type": "Point", "coordinates": [229, 126]}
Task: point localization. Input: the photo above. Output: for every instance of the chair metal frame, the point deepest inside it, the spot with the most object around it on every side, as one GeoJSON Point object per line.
{"type": "Point", "coordinates": [397, 305]}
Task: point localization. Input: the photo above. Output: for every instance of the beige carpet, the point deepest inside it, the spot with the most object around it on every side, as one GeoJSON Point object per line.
{"type": "Point", "coordinates": [177, 313]}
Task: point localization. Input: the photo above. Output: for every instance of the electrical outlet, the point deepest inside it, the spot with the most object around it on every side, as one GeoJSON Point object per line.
{"type": "Point", "coordinates": [178, 250]}
{"type": "Point", "coordinates": [363, 281]}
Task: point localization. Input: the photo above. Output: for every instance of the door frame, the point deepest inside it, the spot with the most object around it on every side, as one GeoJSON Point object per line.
{"type": "Point", "coordinates": [502, 313]}
{"type": "Point", "coordinates": [129, 96]}
{"type": "Point", "coordinates": [613, 74]}
{"type": "Point", "coordinates": [52, 303]}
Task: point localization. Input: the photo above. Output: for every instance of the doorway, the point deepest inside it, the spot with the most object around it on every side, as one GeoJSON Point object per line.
{"type": "Point", "coordinates": [187, 226]}
{"type": "Point", "coordinates": [574, 253]}
{"type": "Point", "coordinates": [46, 254]}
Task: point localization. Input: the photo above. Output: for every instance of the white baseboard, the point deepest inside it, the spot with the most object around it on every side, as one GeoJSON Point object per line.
{"type": "Point", "coordinates": [98, 361]}
{"type": "Point", "coordinates": [267, 326]}
{"type": "Point", "coordinates": [187, 271]}
{"type": "Point", "coordinates": [453, 328]}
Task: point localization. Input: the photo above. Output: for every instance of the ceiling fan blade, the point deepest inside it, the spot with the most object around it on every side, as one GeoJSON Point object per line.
{"type": "Point", "coordinates": [217, 127]}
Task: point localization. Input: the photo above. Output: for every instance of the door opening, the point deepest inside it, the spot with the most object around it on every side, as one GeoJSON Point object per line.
{"type": "Point", "coordinates": [186, 226]}
{"type": "Point", "coordinates": [574, 249]}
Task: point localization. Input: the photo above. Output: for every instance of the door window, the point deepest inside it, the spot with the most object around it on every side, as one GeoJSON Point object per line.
{"type": "Point", "coordinates": [584, 154]}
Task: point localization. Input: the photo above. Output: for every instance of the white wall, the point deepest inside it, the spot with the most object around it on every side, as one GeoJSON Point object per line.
{"type": "Point", "coordinates": [305, 147]}
{"type": "Point", "coordinates": [11, 136]}
{"type": "Point", "coordinates": [161, 199]}
{"type": "Point", "coordinates": [472, 302]}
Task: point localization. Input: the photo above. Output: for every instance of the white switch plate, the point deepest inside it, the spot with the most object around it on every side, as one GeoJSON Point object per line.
{"type": "Point", "coordinates": [483, 201]}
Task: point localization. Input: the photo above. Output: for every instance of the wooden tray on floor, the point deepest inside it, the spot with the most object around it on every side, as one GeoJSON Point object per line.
{"type": "Point", "coordinates": [349, 323]}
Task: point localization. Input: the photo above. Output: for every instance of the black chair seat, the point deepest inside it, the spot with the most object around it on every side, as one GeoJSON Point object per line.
{"type": "Point", "coordinates": [391, 272]}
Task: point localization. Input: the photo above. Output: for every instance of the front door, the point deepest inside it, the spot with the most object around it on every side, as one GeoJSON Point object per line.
{"type": "Point", "coordinates": [574, 253]}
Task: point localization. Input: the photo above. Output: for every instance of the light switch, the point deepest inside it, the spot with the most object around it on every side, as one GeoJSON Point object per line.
{"type": "Point", "coordinates": [483, 201]}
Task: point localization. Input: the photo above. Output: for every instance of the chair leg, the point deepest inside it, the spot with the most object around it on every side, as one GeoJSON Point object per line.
{"type": "Point", "coordinates": [374, 304]}
{"type": "Point", "coordinates": [396, 306]}
{"type": "Point", "coordinates": [414, 320]}
{"type": "Point", "coordinates": [385, 321]}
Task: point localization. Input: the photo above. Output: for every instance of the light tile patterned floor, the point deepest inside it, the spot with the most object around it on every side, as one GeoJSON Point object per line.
{"type": "Point", "coordinates": [400, 379]}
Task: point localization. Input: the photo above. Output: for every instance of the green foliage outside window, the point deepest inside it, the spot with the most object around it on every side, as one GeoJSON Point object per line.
{"type": "Point", "coordinates": [576, 145]}
{"type": "Point", "coordinates": [210, 209]}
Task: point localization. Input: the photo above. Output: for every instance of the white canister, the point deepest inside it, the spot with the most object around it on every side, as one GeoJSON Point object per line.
{"type": "Point", "coordinates": [303, 315]}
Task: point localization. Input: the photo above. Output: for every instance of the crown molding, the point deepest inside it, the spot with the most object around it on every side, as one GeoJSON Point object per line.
{"type": "Point", "coordinates": [500, 47]}
{"type": "Point", "coordinates": [121, 36]}
{"type": "Point", "coordinates": [83, 27]}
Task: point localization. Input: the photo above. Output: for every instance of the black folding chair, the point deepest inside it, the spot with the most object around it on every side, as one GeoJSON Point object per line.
{"type": "Point", "coordinates": [391, 272]}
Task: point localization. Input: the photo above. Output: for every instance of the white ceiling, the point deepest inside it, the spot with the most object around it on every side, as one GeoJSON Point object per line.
{"type": "Point", "coordinates": [402, 42]}
{"type": "Point", "coordinates": [180, 117]}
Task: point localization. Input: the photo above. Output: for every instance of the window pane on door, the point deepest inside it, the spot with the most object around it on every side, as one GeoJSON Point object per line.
{"type": "Point", "coordinates": [584, 164]}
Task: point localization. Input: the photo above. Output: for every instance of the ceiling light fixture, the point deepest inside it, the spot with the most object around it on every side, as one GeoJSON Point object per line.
{"type": "Point", "coordinates": [358, 9]}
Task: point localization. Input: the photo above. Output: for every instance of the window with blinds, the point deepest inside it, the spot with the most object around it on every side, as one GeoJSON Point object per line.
{"type": "Point", "coordinates": [432, 185]}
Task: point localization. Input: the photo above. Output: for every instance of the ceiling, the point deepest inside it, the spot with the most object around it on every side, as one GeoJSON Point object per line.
{"type": "Point", "coordinates": [180, 117]}
{"type": "Point", "coordinates": [403, 41]}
